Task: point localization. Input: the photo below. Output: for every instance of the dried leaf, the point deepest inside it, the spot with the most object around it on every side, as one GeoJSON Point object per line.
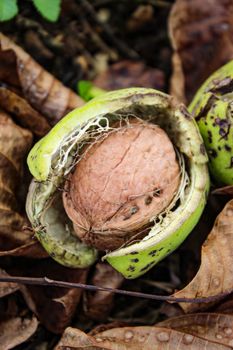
{"type": "Point", "coordinates": [15, 331]}
{"type": "Point", "coordinates": [54, 306]}
{"type": "Point", "coordinates": [130, 73]}
{"type": "Point", "coordinates": [201, 33]}
{"type": "Point", "coordinates": [226, 306]}
{"type": "Point", "coordinates": [31, 249]}
{"type": "Point", "coordinates": [41, 90]}
{"type": "Point", "coordinates": [227, 190]}
{"type": "Point", "coordinates": [213, 327]}
{"type": "Point", "coordinates": [15, 143]}
{"type": "Point", "coordinates": [27, 116]}
{"type": "Point", "coordinates": [99, 304]}
{"type": "Point", "coordinates": [147, 338]}
{"type": "Point", "coordinates": [215, 274]}
{"type": "Point", "coordinates": [7, 288]}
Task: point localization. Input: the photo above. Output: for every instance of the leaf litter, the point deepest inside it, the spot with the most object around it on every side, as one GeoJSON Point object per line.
{"type": "Point", "coordinates": [31, 101]}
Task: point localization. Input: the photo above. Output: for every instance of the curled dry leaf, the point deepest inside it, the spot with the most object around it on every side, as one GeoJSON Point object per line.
{"type": "Point", "coordinates": [15, 331]}
{"type": "Point", "coordinates": [201, 33]}
{"type": "Point", "coordinates": [98, 305]}
{"type": "Point", "coordinates": [54, 306]}
{"type": "Point", "coordinates": [27, 116]}
{"type": "Point", "coordinates": [215, 274]}
{"type": "Point", "coordinates": [41, 90]}
{"type": "Point", "coordinates": [195, 332]}
{"type": "Point", "coordinates": [15, 143]}
{"type": "Point", "coordinates": [128, 73]}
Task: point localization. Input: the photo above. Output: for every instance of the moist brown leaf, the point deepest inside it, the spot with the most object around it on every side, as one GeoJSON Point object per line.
{"type": "Point", "coordinates": [27, 116]}
{"type": "Point", "coordinates": [54, 306]}
{"type": "Point", "coordinates": [201, 34]}
{"type": "Point", "coordinates": [213, 327]}
{"type": "Point", "coordinates": [15, 143]}
{"type": "Point", "coordinates": [215, 274]}
{"type": "Point", "coordinates": [139, 338]}
{"type": "Point", "coordinates": [41, 90]}
{"type": "Point", "coordinates": [128, 73]}
{"type": "Point", "coordinates": [7, 288]}
{"type": "Point", "coordinates": [16, 330]}
{"type": "Point", "coordinates": [99, 304]}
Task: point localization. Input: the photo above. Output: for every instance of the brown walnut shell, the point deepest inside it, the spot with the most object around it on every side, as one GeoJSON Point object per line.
{"type": "Point", "coordinates": [126, 178]}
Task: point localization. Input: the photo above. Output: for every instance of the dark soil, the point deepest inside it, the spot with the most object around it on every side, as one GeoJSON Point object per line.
{"type": "Point", "coordinates": [90, 36]}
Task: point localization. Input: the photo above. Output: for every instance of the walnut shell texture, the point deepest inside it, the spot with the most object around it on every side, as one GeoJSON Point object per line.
{"type": "Point", "coordinates": [125, 179]}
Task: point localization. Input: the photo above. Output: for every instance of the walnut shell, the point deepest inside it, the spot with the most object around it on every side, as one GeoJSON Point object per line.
{"type": "Point", "coordinates": [127, 177]}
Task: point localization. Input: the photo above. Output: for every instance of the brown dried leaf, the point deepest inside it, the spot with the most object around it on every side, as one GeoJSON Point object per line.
{"type": "Point", "coordinates": [126, 74]}
{"type": "Point", "coordinates": [31, 249]}
{"type": "Point", "coordinates": [99, 304]}
{"type": "Point", "coordinates": [7, 288]}
{"type": "Point", "coordinates": [41, 90]}
{"type": "Point", "coordinates": [15, 143]}
{"type": "Point", "coordinates": [227, 190]}
{"type": "Point", "coordinates": [15, 331]}
{"type": "Point", "coordinates": [27, 116]}
{"type": "Point", "coordinates": [215, 274]}
{"type": "Point", "coordinates": [201, 33]}
{"type": "Point", "coordinates": [226, 306]}
{"type": "Point", "coordinates": [213, 327]}
{"type": "Point", "coordinates": [154, 337]}
{"type": "Point", "coordinates": [54, 306]}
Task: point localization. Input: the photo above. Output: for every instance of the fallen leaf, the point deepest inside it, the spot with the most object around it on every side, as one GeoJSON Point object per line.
{"type": "Point", "coordinates": [25, 115]}
{"type": "Point", "coordinates": [226, 190]}
{"type": "Point", "coordinates": [15, 143]}
{"type": "Point", "coordinates": [15, 331]}
{"type": "Point", "coordinates": [213, 327]}
{"type": "Point", "coordinates": [154, 337]}
{"type": "Point", "coordinates": [41, 90]}
{"type": "Point", "coordinates": [215, 274]}
{"type": "Point", "coordinates": [53, 306]}
{"type": "Point", "coordinates": [128, 73]}
{"type": "Point", "coordinates": [31, 249]}
{"type": "Point", "coordinates": [98, 305]}
{"type": "Point", "coordinates": [201, 34]}
{"type": "Point", "coordinates": [7, 288]}
{"type": "Point", "coordinates": [226, 306]}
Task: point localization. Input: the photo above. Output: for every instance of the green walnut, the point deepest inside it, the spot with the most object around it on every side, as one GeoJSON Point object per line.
{"type": "Point", "coordinates": [212, 107]}
{"type": "Point", "coordinates": [124, 177]}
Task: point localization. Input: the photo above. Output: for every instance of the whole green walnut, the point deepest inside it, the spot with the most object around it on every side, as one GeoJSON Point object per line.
{"type": "Point", "coordinates": [212, 108]}
{"type": "Point", "coordinates": [133, 169]}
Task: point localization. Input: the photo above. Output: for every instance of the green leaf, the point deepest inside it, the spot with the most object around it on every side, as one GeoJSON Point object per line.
{"type": "Point", "coordinates": [8, 9]}
{"type": "Point", "coordinates": [49, 9]}
{"type": "Point", "coordinates": [84, 87]}
{"type": "Point", "coordinates": [87, 90]}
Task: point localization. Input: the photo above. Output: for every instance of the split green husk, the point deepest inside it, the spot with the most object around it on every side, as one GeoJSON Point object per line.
{"type": "Point", "coordinates": [212, 107]}
{"type": "Point", "coordinates": [53, 157]}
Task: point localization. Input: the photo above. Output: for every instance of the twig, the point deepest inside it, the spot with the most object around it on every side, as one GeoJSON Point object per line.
{"type": "Point", "coordinates": [45, 281]}
{"type": "Point", "coordinates": [120, 45]}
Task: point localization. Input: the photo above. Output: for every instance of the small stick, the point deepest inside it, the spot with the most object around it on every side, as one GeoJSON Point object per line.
{"type": "Point", "coordinates": [45, 281]}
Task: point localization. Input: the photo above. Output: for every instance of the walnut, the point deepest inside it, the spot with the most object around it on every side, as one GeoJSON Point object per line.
{"type": "Point", "coordinates": [125, 179]}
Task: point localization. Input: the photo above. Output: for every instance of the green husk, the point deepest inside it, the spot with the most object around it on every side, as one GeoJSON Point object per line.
{"type": "Point", "coordinates": [53, 157]}
{"type": "Point", "coordinates": [212, 107]}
